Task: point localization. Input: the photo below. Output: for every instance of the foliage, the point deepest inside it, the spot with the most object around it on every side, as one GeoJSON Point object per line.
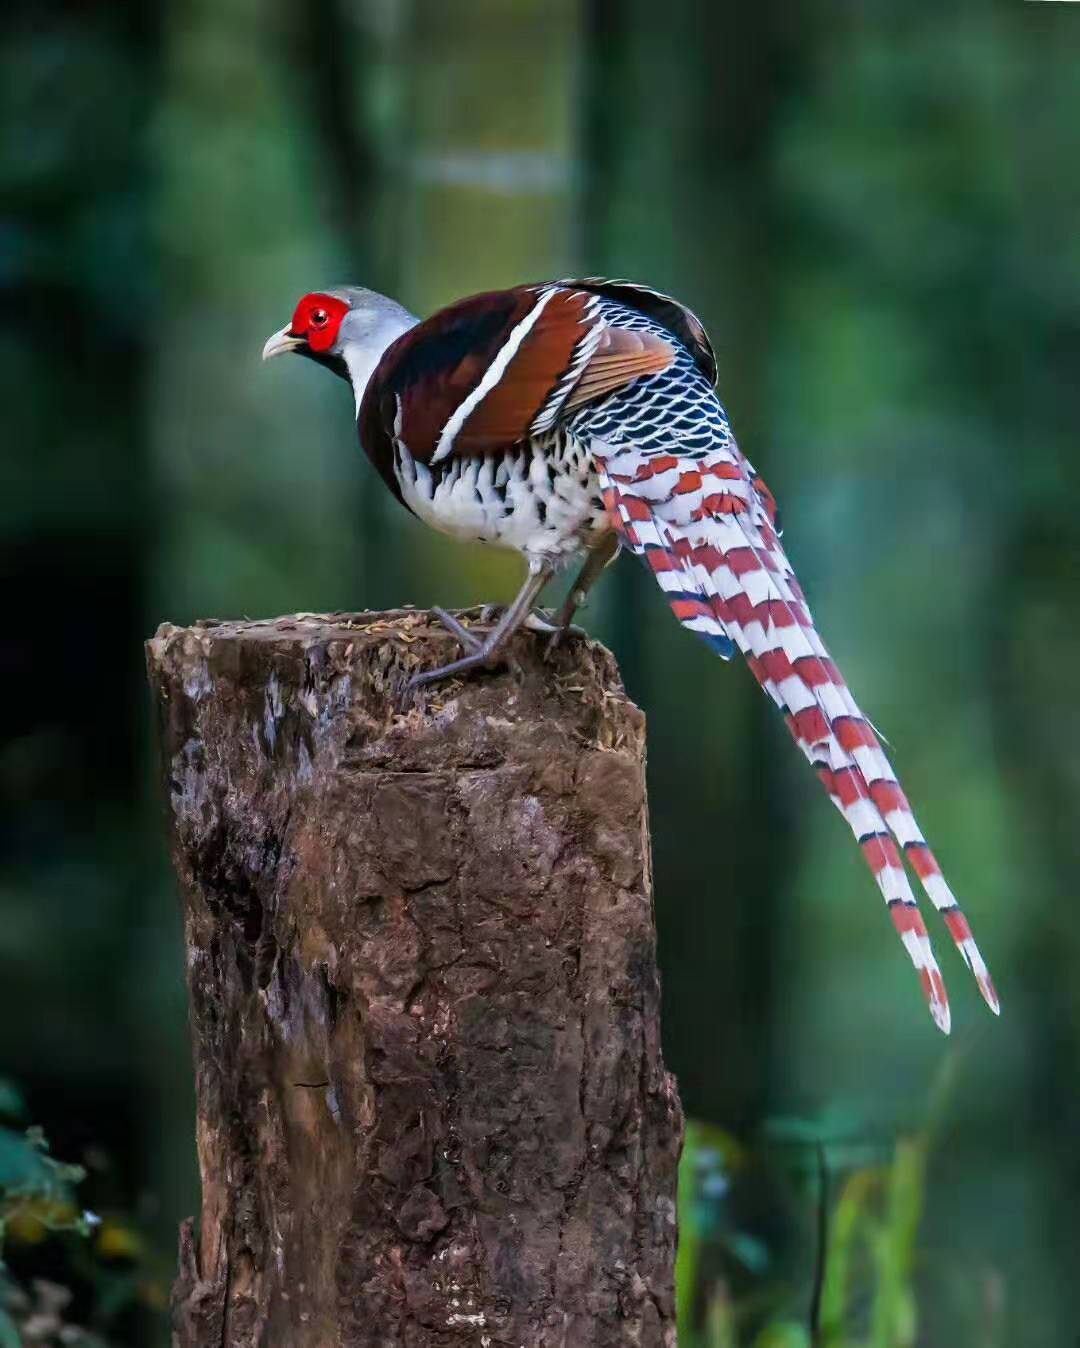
{"type": "Point", "coordinates": [38, 1201]}
{"type": "Point", "coordinates": [37, 1194]}
{"type": "Point", "coordinates": [864, 1200]}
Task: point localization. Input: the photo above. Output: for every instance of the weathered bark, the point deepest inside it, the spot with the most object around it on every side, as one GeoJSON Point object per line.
{"type": "Point", "coordinates": [431, 1104]}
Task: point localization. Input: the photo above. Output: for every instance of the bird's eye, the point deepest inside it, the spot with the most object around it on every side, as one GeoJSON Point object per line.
{"type": "Point", "coordinates": [318, 318]}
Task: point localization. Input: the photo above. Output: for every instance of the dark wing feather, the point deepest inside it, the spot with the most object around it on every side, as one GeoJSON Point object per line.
{"type": "Point", "coordinates": [435, 366]}
{"type": "Point", "coordinates": [677, 318]}
{"type": "Point", "coordinates": [487, 372]}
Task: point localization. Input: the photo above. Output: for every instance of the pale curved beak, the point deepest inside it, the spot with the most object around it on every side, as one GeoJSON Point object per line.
{"type": "Point", "coordinates": [281, 342]}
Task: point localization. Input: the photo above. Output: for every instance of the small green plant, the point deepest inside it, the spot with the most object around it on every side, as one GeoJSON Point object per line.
{"type": "Point", "coordinates": [857, 1201]}
{"type": "Point", "coordinates": [37, 1193]}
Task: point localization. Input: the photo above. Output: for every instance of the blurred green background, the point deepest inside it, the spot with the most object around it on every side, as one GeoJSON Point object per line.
{"type": "Point", "coordinates": [876, 210]}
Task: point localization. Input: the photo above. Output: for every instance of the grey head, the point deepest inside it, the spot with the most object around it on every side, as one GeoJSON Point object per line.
{"type": "Point", "coordinates": [347, 329]}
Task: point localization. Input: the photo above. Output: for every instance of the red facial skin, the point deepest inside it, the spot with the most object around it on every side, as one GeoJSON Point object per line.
{"type": "Point", "coordinates": [317, 319]}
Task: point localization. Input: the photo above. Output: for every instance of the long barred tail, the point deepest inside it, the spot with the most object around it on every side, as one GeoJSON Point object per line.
{"type": "Point", "coordinates": [707, 528]}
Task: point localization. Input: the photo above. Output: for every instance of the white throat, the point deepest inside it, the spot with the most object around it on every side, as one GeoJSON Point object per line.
{"type": "Point", "coordinates": [363, 353]}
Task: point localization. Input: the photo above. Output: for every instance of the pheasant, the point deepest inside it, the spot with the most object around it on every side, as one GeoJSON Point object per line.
{"type": "Point", "coordinates": [571, 419]}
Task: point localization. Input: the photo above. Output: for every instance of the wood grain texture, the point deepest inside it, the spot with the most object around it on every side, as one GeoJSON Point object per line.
{"type": "Point", "coordinates": [431, 1103]}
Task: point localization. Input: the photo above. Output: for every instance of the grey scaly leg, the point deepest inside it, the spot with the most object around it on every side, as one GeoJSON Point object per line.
{"type": "Point", "coordinates": [605, 552]}
{"type": "Point", "coordinates": [486, 653]}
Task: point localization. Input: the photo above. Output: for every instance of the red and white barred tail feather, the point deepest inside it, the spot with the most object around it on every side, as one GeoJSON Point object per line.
{"type": "Point", "coordinates": [706, 527]}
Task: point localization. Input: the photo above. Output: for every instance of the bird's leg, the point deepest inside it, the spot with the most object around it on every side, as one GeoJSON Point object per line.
{"type": "Point", "coordinates": [488, 651]}
{"type": "Point", "coordinates": [605, 552]}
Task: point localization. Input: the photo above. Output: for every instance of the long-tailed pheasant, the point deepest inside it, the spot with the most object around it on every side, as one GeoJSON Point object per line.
{"type": "Point", "coordinates": [568, 419]}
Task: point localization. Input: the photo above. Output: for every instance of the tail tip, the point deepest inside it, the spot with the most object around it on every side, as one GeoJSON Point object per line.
{"type": "Point", "coordinates": [942, 1015]}
{"type": "Point", "coordinates": [989, 993]}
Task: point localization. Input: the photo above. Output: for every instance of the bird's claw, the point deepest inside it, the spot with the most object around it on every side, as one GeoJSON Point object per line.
{"type": "Point", "coordinates": [553, 628]}
{"type": "Point", "coordinates": [557, 635]}
{"type": "Point", "coordinates": [538, 621]}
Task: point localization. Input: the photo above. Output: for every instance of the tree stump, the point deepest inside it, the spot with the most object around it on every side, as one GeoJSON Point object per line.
{"type": "Point", "coordinates": [431, 1104]}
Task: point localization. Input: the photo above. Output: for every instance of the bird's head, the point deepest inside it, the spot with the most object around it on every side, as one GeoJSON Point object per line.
{"type": "Point", "coordinates": [346, 329]}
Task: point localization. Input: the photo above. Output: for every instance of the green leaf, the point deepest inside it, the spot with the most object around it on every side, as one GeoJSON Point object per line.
{"type": "Point", "coordinates": [12, 1104]}
{"type": "Point", "coordinates": [35, 1185]}
{"type": "Point", "coordinates": [893, 1320]}
{"type": "Point", "coordinates": [722, 1332]}
{"type": "Point", "coordinates": [23, 1166]}
{"type": "Point", "coordinates": [785, 1334]}
{"type": "Point", "coordinates": [752, 1253]}
{"type": "Point", "coordinates": [851, 1219]}
{"type": "Point", "coordinates": [9, 1333]}
{"type": "Point", "coordinates": [689, 1255]}
{"type": "Point", "coordinates": [709, 1154]}
{"type": "Point", "coordinates": [26, 1168]}
{"type": "Point", "coordinates": [839, 1134]}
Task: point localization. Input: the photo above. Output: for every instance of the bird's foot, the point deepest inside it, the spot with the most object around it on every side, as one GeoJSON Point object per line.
{"type": "Point", "coordinates": [479, 654]}
{"type": "Point", "coordinates": [452, 624]}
